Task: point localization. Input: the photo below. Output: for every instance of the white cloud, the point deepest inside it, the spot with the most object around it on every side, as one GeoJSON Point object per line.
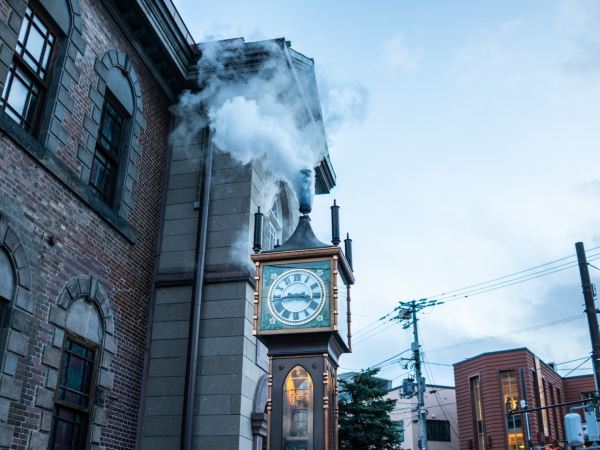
{"type": "Point", "coordinates": [343, 102]}
{"type": "Point", "coordinates": [397, 55]}
{"type": "Point", "coordinates": [579, 24]}
{"type": "Point", "coordinates": [491, 52]}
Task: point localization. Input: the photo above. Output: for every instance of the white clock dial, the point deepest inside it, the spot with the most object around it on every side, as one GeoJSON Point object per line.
{"type": "Point", "coordinates": [297, 297]}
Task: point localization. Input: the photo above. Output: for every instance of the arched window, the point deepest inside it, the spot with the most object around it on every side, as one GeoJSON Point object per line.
{"type": "Point", "coordinates": [298, 406]}
{"type": "Point", "coordinates": [74, 398]}
{"type": "Point", "coordinates": [108, 158]}
{"type": "Point", "coordinates": [114, 128]}
{"type": "Point", "coordinates": [7, 283]}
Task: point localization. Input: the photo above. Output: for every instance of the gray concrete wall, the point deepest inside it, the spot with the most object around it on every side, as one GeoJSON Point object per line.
{"type": "Point", "coordinates": [231, 361]}
{"type": "Point", "coordinates": [165, 382]}
{"type": "Point", "coordinates": [224, 347]}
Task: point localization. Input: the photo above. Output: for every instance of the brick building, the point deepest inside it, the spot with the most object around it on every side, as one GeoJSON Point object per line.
{"type": "Point", "coordinates": [490, 385]}
{"type": "Point", "coordinates": [101, 228]}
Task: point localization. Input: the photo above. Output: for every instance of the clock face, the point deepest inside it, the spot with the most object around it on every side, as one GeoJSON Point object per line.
{"type": "Point", "coordinates": [297, 296]}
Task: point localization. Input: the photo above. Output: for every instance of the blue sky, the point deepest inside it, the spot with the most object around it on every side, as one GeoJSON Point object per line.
{"type": "Point", "coordinates": [469, 150]}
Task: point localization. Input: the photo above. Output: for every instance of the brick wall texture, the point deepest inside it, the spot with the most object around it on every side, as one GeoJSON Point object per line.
{"type": "Point", "coordinates": [36, 205]}
{"type": "Point", "coordinates": [488, 367]}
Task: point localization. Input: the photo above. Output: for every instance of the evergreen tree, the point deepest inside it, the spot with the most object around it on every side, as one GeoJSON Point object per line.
{"type": "Point", "coordinates": [364, 414]}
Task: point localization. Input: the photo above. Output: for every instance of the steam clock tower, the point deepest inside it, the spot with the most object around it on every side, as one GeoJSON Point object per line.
{"type": "Point", "coordinates": [302, 315]}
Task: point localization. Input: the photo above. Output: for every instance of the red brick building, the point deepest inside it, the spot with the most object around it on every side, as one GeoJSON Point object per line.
{"type": "Point", "coordinates": [99, 235]}
{"type": "Point", "coordinates": [490, 385]}
{"type": "Point", "coordinates": [84, 128]}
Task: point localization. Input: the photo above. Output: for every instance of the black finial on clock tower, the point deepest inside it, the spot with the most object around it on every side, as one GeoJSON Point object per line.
{"type": "Point", "coordinates": [335, 224]}
{"type": "Point", "coordinates": [348, 250]}
{"type": "Point", "coordinates": [258, 231]}
{"type": "Point", "coordinates": [305, 208]}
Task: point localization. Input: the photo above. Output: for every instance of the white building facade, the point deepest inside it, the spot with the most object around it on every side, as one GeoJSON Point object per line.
{"type": "Point", "coordinates": [442, 421]}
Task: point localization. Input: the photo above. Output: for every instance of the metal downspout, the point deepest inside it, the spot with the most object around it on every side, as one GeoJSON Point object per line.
{"type": "Point", "coordinates": [195, 314]}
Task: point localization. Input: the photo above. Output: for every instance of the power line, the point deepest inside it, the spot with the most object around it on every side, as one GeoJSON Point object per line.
{"type": "Point", "coordinates": [480, 288]}
{"type": "Point", "coordinates": [366, 327]}
{"type": "Point", "coordinates": [513, 281]}
{"type": "Point", "coordinates": [374, 366]}
{"type": "Point", "coordinates": [511, 274]}
{"type": "Point", "coordinates": [574, 369]}
{"type": "Point", "coordinates": [570, 361]}
{"type": "Point", "coordinates": [522, 330]}
{"type": "Point", "coordinates": [393, 359]}
{"type": "Point", "coordinates": [438, 400]}
{"type": "Point", "coordinates": [375, 332]}
{"type": "Point", "coordinates": [438, 364]}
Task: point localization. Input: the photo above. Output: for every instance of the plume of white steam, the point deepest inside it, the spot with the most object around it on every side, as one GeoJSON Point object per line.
{"type": "Point", "coordinates": [343, 102]}
{"type": "Point", "coordinates": [255, 114]}
{"type": "Point", "coordinates": [249, 130]}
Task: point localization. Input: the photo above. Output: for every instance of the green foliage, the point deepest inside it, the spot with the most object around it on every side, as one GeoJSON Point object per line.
{"type": "Point", "coordinates": [364, 419]}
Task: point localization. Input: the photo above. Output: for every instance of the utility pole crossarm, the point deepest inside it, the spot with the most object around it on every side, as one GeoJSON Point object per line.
{"type": "Point", "coordinates": [406, 313]}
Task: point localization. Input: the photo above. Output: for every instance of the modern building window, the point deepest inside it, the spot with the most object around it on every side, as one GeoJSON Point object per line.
{"type": "Point", "coordinates": [27, 79]}
{"type": "Point", "coordinates": [477, 407]}
{"type": "Point", "coordinates": [298, 410]}
{"type": "Point", "coordinates": [438, 430]}
{"type": "Point", "coordinates": [511, 399]}
{"type": "Point", "coordinates": [74, 396]}
{"type": "Point", "coordinates": [555, 412]}
{"type": "Point", "coordinates": [7, 284]}
{"type": "Point", "coordinates": [399, 424]}
{"type": "Point", "coordinates": [105, 166]}
{"type": "Point", "coordinates": [560, 413]}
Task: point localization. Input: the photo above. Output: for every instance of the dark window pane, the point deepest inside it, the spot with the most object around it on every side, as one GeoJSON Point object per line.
{"type": "Point", "coordinates": [110, 130]}
{"type": "Point", "coordinates": [7, 277]}
{"type": "Point", "coordinates": [25, 81]}
{"type": "Point", "coordinates": [104, 166]}
{"type": "Point", "coordinates": [438, 430]}
{"type": "Point", "coordinates": [35, 43]}
{"type": "Point", "coordinates": [35, 46]}
{"type": "Point", "coordinates": [76, 374]}
{"type": "Point", "coordinates": [20, 96]}
{"type": "Point", "coordinates": [101, 176]}
{"type": "Point", "coordinates": [67, 429]}
{"type": "Point", "coordinates": [16, 97]}
{"type": "Point", "coordinates": [24, 28]}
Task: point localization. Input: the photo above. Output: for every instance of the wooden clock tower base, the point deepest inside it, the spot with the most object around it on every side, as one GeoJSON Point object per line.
{"type": "Point", "coordinates": [296, 423]}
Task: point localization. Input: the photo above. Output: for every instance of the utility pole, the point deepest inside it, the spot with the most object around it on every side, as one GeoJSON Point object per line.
{"type": "Point", "coordinates": [407, 314]}
{"type": "Point", "coordinates": [523, 405]}
{"type": "Point", "coordinates": [590, 310]}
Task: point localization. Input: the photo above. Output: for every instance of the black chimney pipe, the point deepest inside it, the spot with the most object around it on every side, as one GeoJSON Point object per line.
{"type": "Point", "coordinates": [348, 250]}
{"type": "Point", "coordinates": [258, 231]}
{"type": "Point", "coordinates": [335, 224]}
